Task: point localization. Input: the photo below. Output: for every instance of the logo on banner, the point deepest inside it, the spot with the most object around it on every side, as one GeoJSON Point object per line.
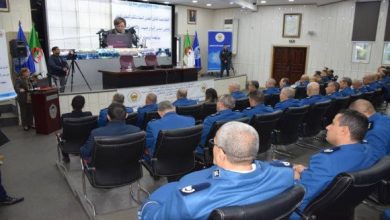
{"type": "Point", "coordinates": [220, 37]}
{"type": "Point", "coordinates": [134, 96]}
{"type": "Point", "coordinates": [53, 111]}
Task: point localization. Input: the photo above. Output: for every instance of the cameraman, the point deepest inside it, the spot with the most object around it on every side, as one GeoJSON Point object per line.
{"type": "Point", "coordinates": [58, 68]}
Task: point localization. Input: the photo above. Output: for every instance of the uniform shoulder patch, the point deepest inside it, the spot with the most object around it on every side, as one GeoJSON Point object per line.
{"type": "Point", "coordinates": [249, 108]}
{"type": "Point", "coordinates": [280, 163]}
{"type": "Point", "coordinates": [215, 114]}
{"type": "Point", "coordinates": [188, 190]}
{"type": "Point", "coordinates": [370, 125]}
{"type": "Point", "coordinates": [330, 150]}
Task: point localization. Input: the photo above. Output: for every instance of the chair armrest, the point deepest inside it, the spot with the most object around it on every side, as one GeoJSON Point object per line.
{"type": "Point", "coordinates": [59, 138]}
{"type": "Point", "coordinates": [85, 166]}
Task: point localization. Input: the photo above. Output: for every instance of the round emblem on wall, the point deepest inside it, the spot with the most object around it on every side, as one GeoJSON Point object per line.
{"type": "Point", "coordinates": [53, 111]}
{"type": "Point", "coordinates": [220, 37]}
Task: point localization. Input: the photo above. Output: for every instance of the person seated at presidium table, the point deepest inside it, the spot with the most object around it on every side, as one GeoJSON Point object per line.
{"type": "Point", "coordinates": [116, 126]}
{"type": "Point", "coordinates": [182, 100]}
{"type": "Point", "coordinates": [235, 179]}
{"type": "Point", "coordinates": [313, 94]}
{"type": "Point", "coordinates": [23, 87]}
{"type": "Point", "coordinates": [169, 120]}
{"type": "Point", "coordinates": [345, 86]}
{"type": "Point", "coordinates": [332, 90]}
{"type": "Point", "coordinates": [117, 98]}
{"type": "Point", "coordinates": [235, 90]}
{"type": "Point", "coordinates": [345, 133]}
{"type": "Point", "coordinates": [150, 106]}
{"type": "Point", "coordinates": [271, 88]}
{"type": "Point", "coordinates": [256, 102]}
{"type": "Point", "coordinates": [287, 99]}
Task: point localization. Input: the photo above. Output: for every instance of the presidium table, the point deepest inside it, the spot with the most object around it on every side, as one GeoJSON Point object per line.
{"type": "Point", "coordinates": [114, 78]}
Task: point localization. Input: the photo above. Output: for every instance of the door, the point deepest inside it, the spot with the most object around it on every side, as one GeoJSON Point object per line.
{"type": "Point", "coordinates": [289, 62]}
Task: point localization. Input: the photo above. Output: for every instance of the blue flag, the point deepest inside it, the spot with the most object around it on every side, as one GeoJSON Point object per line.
{"type": "Point", "coordinates": [196, 49]}
{"type": "Point", "coordinates": [24, 61]}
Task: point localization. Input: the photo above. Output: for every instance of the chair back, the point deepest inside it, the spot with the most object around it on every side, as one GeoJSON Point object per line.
{"type": "Point", "coordinates": [275, 208]}
{"type": "Point", "coordinates": [378, 98]}
{"type": "Point", "coordinates": [116, 160]}
{"type": "Point", "coordinates": [175, 151]}
{"type": "Point", "coordinates": [369, 96]}
{"type": "Point", "coordinates": [132, 118]}
{"type": "Point", "coordinates": [346, 191]}
{"type": "Point", "coordinates": [126, 61]}
{"type": "Point", "coordinates": [265, 125]}
{"type": "Point", "coordinates": [208, 109]}
{"type": "Point", "coordinates": [149, 116]}
{"type": "Point", "coordinates": [75, 131]}
{"type": "Point", "coordinates": [355, 97]}
{"type": "Point", "coordinates": [151, 60]}
{"type": "Point", "coordinates": [288, 125]}
{"type": "Point", "coordinates": [322, 88]}
{"type": "Point", "coordinates": [190, 110]}
{"type": "Point", "coordinates": [335, 107]}
{"type": "Point", "coordinates": [241, 104]}
{"type": "Point", "coordinates": [300, 92]}
{"type": "Point", "coordinates": [271, 99]}
{"type": "Point", "coordinates": [312, 123]}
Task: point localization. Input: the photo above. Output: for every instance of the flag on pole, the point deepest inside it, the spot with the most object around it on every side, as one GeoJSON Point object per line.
{"type": "Point", "coordinates": [187, 41]}
{"type": "Point", "coordinates": [37, 53]}
{"type": "Point", "coordinates": [196, 49]}
{"type": "Point", "coordinates": [24, 61]}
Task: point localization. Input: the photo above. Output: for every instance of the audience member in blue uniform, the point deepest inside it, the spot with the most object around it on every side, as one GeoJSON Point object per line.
{"type": "Point", "coordinates": [377, 135]}
{"type": "Point", "coordinates": [236, 179]}
{"type": "Point", "coordinates": [345, 86]}
{"type": "Point", "coordinates": [303, 82]}
{"type": "Point", "coordinates": [287, 99]}
{"type": "Point", "coordinates": [346, 133]}
{"type": "Point", "coordinates": [116, 126]}
{"type": "Point", "coordinates": [169, 120]}
{"type": "Point", "coordinates": [357, 87]}
{"type": "Point", "coordinates": [271, 88]}
{"type": "Point", "coordinates": [370, 82]}
{"type": "Point", "coordinates": [313, 94]}
{"type": "Point", "coordinates": [78, 103]}
{"type": "Point", "coordinates": [211, 96]}
{"type": "Point", "coordinates": [332, 90]}
{"type": "Point", "coordinates": [256, 101]}
{"type": "Point", "coordinates": [235, 91]}
{"type": "Point", "coordinates": [253, 86]}
{"type": "Point", "coordinates": [225, 105]}
{"type": "Point", "coordinates": [150, 106]}
{"type": "Point", "coordinates": [182, 100]}
{"type": "Point", "coordinates": [284, 82]}
{"type": "Point", "coordinates": [117, 98]}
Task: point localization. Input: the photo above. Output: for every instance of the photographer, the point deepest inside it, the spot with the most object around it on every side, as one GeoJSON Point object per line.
{"type": "Point", "coordinates": [58, 68]}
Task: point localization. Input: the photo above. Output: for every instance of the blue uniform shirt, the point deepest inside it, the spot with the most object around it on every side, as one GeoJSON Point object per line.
{"type": "Point", "coordinates": [363, 89]}
{"type": "Point", "coordinates": [197, 194]}
{"type": "Point", "coordinates": [102, 121]}
{"type": "Point", "coordinates": [303, 84]}
{"type": "Point", "coordinates": [347, 91]}
{"type": "Point", "coordinates": [287, 103]}
{"type": "Point", "coordinates": [184, 102]}
{"type": "Point", "coordinates": [238, 95]}
{"type": "Point", "coordinates": [313, 99]}
{"type": "Point", "coordinates": [378, 135]}
{"type": "Point", "coordinates": [333, 95]}
{"type": "Point", "coordinates": [141, 113]}
{"type": "Point", "coordinates": [271, 91]}
{"type": "Point", "coordinates": [171, 120]}
{"type": "Point", "coordinates": [258, 109]}
{"type": "Point", "coordinates": [373, 86]}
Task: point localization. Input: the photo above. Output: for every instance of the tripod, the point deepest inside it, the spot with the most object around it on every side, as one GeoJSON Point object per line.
{"type": "Point", "coordinates": [72, 70]}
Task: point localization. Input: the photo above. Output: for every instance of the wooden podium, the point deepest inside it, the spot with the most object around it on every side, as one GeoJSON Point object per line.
{"type": "Point", "coordinates": [46, 109]}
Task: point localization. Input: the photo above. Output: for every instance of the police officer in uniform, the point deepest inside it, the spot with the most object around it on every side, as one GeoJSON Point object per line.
{"type": "Point", "coordinates": [346, 133]}
{"type": "Point", "coordinates": [150, 106]}
{"type": "Point", "coordinates": [271, 88]}
{"type": "Point", "coordinates": [287, 99]}
{"type": "Point", "coordinates": [236, 179]}
{"type": "Point", "coordinates": [256, 101]}
{"type": "Point", "coordinates": [313, 94]}
{"type": "Point", "coordinates": [169, 120]}
{"type": "Point", "coordinates": [235, 90]}
{"type": "Point", "coordinates": [332, 90]}
{"type": "Point", "coordinates": [117, 98]}
{"type": "Point", "coordinates": [345, 86]}
{"type": "Point", "coordinates": [182, 100]}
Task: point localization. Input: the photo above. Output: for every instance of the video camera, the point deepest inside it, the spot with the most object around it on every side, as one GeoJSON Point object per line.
{"type": "Point", "coordinates": [72, 55]}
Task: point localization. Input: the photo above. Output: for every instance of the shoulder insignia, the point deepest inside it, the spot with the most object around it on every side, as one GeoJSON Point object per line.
{"type": "Point", "coordinates": [216, 173]}
{"type": "Point", "coordinates": [370, 125]}
{"type": "Point", "coordinates": [330, 150]}
{"type": "Point", "coordinates": [249, 108]}
{"type": "Point", "coordinates": [215, 114]}
{"type": "Point", "coordinates": [280, 163]}
{"type": "Point", "coordinates": [188, 190]}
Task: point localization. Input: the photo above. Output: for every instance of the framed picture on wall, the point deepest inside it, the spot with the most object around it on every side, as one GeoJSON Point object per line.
{"type": "Point", "coordinates": [4, 5]}
{"type": "Point", "coordinates": [361, 52]}
{"type": "Point", "coordinates": [292, 25]}
{"type": "Point", "coordinates": [386, 54]}
{"type": "Point", "coordinates": [191, 16]}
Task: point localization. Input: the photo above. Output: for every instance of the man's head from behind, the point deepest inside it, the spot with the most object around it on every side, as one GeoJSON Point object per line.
{"type": "Point", "coordinates": [234, 87]}
{"type": "Point", "coordinates": [287, 93]}
{"type": "Point", "coordinates": [363, 106]}
{"type": "Point", "coordinates": [347, 127]}
{"type": "Point", "coordinates": [271, 83]}
{"type": "Point", "coordinates": [313, 88]}
{"type": "Point", "coordinates": [253, 85]}
{"type": "Point", "coordinates": [116, 112]}
{"type": "Point", "coordinates": [225, 102]}
{"type": "Point", "coordinates": [181, 93]}
{"type": "Point", "coordinates": [165, 107]}
{"type": "Point", "coordinates": [236, 144]}
{"type": "Point", "coordinates": [118, 98]}
{"type": "Point", "coordinates": [78, 103]}
{"type": "Point", "coordinates": [256, 98]}
{"type": "Point", "coordinates": [151, 98]}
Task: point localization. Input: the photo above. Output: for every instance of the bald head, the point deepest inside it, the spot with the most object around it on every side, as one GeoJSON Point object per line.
{"type": "Point", "coordinates": [270, 83]}
{"type": "Point", "coordinates": [313, 88]}
{"type": "Point", "coordinates": [363, 106]}
{"type": "Point", "coordinates": [181, 93]}
{"type": "Point", "coordinates": [234, 86]}
{"type": "Point", "coordinates": [151, 98]}
{"type": "Point", "coordinates": [287, 93]}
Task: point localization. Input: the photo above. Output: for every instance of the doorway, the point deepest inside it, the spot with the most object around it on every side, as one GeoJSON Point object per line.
{"type": "Point", "coordinates": [289, 62]}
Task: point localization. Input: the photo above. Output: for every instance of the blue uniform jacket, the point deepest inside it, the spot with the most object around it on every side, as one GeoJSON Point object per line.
{"type": "Point", "coordinates": [361, 90]}
{"type": "Point", "coordinates": [184, 102]}
{"type": "Point", "coordinates": [141, 113]}
{"type": "Point", "coordinates": [271, 91]}
{"type": "Point", "coordinates": [171, 120]}
{"type": "Point", "coordinates": [258, 109]}
{"type": "Point", "coordinates": [238, 95]}
{"type": "Point", "coordinates": [324, 166]}
{"type": "Point", "coordinates": [347, 91]}
{"type": "Point", "coordinates": [313, 99]}
{"type": "Point", "coordinates": [303, 84]}
{"type": "Point", "coordinates": [287, 103]}
{"type": "Point", "coordinates": [113, 128]}
{"type": "Point", "coordinates": [373, 86]}
{"type": "Point", "coordinates": [198, 193]}
{"type": "Point", "coordinates": [333, 95]}
{"type": "Point", "coordinates": [102, 121]}
{"type": "Point", "coordinates": [378, 135]}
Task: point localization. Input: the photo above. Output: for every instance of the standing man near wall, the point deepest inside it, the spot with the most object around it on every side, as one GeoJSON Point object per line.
{"type": "Point", "coordinates": [58, 68]}
{"type": "Point", "coordinates": [226, 58]}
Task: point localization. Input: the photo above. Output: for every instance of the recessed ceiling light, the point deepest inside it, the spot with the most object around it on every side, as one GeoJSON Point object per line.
{"type": "Point", "coordinates": [145, 0]}
{"type": "Point", "coordinates": [231, 3]}
{"type": "Point", "coordinates": [194, 1]}
{"type": "Point", "coordinates": [208, 5]}
{"type": "Point", "coordinates": [166, 2]}
{"type": "Point", "coordinates": [263, 2]}
{"type": "Point", "coordinates": [290, 0]}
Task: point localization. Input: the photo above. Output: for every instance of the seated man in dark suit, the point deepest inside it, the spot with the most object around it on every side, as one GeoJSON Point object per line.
{"type": "Point", "coordinates": [271, 88]}
{"type": "Point", "coordinates": [169, 120]}
{"type": "Point", "coordinates": [235, 91]}
{"type": "Point", "coordinates": [117, 98]}
{"type": "Point", "coordinates": [116, 126]}
{"type": "Point", "coordinates": [332, 90]}
{"type": "Point", "coordinates": [78, 103]}
{"type": "Point", "coordinates": [256, 101]}
{"type": "Point", "coordinates": [313, 94]}
{"type": "Point", "coordinates": [345, 86]}
{"type": "Point", "coordinates": [150, 106]}
{"type": "Point", "coordinates": [287, 99]}
{"type": "Point", "coordinates": [182, 100]}
{"type": "Point", "coordinates": [346, 133]}
{"type": "Point", "coordinates": [236, 179]}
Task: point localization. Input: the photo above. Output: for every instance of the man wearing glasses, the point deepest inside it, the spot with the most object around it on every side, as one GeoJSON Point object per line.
{"type": "Point", "coordinates": [236, 179]}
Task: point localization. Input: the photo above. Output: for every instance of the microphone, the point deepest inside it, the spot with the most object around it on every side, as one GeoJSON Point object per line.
{"type": "Point", "coordinates": [100, 31]}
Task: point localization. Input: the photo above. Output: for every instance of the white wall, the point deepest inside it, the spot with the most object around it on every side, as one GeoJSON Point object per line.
{"type": "Point", "coordinates": [19, 10]}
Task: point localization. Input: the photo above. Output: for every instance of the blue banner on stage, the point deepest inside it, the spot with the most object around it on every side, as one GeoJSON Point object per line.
{"type": "Point", "coordinates": [216, 41]}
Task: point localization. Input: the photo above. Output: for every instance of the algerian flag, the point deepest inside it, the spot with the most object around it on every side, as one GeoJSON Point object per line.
{"type": "Point", "coordinates": [187, 41]}
{"type": "Point", "coordinates": [37, 52]}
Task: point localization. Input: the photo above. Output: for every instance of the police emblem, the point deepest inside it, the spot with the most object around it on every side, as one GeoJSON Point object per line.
{"type": "Point", "coordinates": [188, 189]}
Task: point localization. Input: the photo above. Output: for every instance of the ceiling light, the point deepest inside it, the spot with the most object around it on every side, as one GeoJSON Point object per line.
{"type": "Point", "coordinates": [290, 0]}
{"type": "Point", "coordinates": [166, 2]}
{"type": "Point", "coordinates": [194, 1]}
{"type": "Point", "coordinates": [263, 2]}
{"type": "Point", "coordinates": [231, 3]}
{"type": "Point", "coordinates": [208, 5]}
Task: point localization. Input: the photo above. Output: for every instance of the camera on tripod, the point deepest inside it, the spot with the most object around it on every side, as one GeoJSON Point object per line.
{"type": "Point", "coordinates": [72, 55]}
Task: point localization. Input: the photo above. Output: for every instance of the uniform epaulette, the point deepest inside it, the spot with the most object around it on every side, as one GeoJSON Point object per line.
{"type": "Point", "coordinates": [370, 125]}
{"type": "Point", "coordinates": [215, 114]}
{"type": "Point", "coordinates": [188, 190]}
{"type": "Point", "coordinates": [330, 150]}
{"type": "Point", "coordinates": [280, 163]}
{"type": "Point", "coordinates": [249, 108]}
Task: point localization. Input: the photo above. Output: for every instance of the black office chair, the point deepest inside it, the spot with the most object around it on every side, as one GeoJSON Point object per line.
{"type": "Point", "coordinates": [275, 208]}
{"type": "Point", "coordinates": [300, 92]}
{"type": "Point", "coordinates": [347, 190]}
{"type": "Point", "coordinates": [369, 96]}
{"type": "Point", "coordinates": [312, 123]}
{"type": "Point", "coordinates": [265, 125]}
{"type": "Point", "coordinates": [271, 99]}
{"type": "Point", "coordinates": [208, 109]}
{"type": "Point", "coordinates": [335, 107]}
{"type": "Point", "coordinates": [149, 116]}
{"type": "Point", "coordinates": [241, 104]}
{"type": "Point", "coordinates": [191, 110]}
{"type": "Point", "coordinates": [322, 88]}
{"type": "Point", "coordinates": [132, 118]}
{"type": "Point", "coordinates": [175, 152]}
{"type": "Point", "coordinates": [355, 97]}
{"type": "Point", "coordinates": [378, 98]}
{"type": "Point", "coordinates": [115, 162]}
